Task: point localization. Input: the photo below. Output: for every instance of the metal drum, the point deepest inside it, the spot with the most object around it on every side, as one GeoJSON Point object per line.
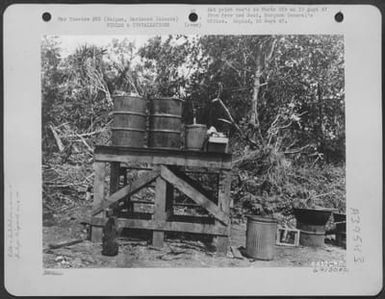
{"type": "Point", "coordinates": [129, 121]}
{"type": "Point", "coordinates": [165, 123]}
{"type": "Point", "coordinates": [260, 237]}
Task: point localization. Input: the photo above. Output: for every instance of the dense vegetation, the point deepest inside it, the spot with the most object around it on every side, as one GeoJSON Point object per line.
{"type": "Point", "coordinates": [279, 98]}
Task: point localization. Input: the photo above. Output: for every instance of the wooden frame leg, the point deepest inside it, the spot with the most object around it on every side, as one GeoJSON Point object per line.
{"type": "Point", "coordinates": [100, 173]}
{"type": "Point", "coordinates": [114, 177]}
{"type": "Point", "coordinates": [222, 242]}
{"type": "Point", "coordinates": [114, 180]}
{"type": "Point", "coordinates": [169, 200]}
{"type": "Point", "coordinates": [127, 204]}
{"type": "Point", "coordinates": [160, 214]}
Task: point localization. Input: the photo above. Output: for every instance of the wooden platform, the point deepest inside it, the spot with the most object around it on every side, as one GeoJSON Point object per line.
{"type": "Point", "coordinates": [168, 169]}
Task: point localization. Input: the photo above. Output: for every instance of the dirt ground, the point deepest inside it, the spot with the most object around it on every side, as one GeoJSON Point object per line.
{"type": "Point", "coordinates": [179, 250]}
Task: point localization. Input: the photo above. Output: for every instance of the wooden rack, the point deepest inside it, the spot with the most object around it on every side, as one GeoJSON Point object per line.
{"type": "Point", "coordinates": [166, 169]}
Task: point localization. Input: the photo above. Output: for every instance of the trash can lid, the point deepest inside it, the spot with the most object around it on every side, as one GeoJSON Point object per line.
{"type": "Point", "coordinates": [262, 219]}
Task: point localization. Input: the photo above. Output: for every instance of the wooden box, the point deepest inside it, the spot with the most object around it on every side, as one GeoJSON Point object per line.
{"type": "Point", "coordinates": [217, 144]}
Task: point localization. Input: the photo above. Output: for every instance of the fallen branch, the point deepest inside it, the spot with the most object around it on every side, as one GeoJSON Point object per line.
{"type": "Point", "coordinates": [63, 244]}
{"type": "Point", "coordinates": [57, 138]}
{"type": "Point", "coordinates": [247, 157]}
{"type": "Point", "coordinates": [85, 134]}
{"type": "Point", "coordinates": [85, 143]}
{"type": "Point", "coordinates": [233, 121]}
{"type": "Point", "coordinates": [296, 151]}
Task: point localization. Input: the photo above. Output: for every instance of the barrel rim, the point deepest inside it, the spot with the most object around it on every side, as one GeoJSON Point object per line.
{"type": "Point", "coordinates": [127, 129]}
{"type": "Point", "coordinates": [128, 112]}
{"type": "Point", "coordinates": [196, 126]}
{"type": "Point", "coordinates": [306, 232]}
{"type": "Point", "coordinates": [128, 96]}
{"type": "Point", "coordinates": [165, 115]}
{"type": "Point", "coordinates": [163, 98]}
{"type": "Point", "coordinates": [165, 131]}
{"type": "Point", "coordinates": [262, 219]}
{"type": "Point", "coordinates": [165, 147]}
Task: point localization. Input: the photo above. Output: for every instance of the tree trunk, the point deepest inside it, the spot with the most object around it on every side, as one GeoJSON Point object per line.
{"type": "Point", "coordinates": [265, 52]}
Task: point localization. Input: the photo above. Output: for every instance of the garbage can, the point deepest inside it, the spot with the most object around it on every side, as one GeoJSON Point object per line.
{"type": "Point", "coordinates": [260, 237]}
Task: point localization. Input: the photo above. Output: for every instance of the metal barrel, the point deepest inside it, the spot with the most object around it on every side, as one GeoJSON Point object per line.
{"type": "Point", "coordinates": [195, 136]}
{"type": "Point", "coordinates": [129, 121]}
{"type": "Point", "coordinates": [260, 237]}
{"type": "Point", "coordinates": [165, 123]}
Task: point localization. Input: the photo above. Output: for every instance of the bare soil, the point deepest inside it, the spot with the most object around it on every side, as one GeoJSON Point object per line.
{"type": "Point", "coordinates": [180, 250]}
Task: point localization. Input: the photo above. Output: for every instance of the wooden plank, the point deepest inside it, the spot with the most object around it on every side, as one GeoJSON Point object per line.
{"type": "Point", "coordinates": [236, 253]}
{"type": "Point", "coordinates": [160, 214]}
{"type": "Point", "coordinates": [100, 172]}
{"type": "Point", "coordinates": [114, 177]}
{"type": "Point", "coordinates": [194, 219]}
{"type": "Point", "coordinates": [118, 150]}
{"type": "Point", "coordinates": [195, 184]}
{"type": "Point", "coordinates": [191, 205]}
{"type": "Point", "coordinates": [169, 200]}
{"type": "Point", "coordinates": [167, 226]}
{"type": "Point", "coordinates": [194, 194]}
{"type": "Point", "coordinates": [196, 228]}
{"type": "Point", "coordinates": [224, 203]}
{"type": "Point", "coordinates": [128, 190]}
{"type": "Point", "coordinates": [186, 161]}
{"type": "Point", "coordinates": [146, 202]}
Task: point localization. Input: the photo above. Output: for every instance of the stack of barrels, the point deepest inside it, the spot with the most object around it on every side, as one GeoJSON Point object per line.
{"type": "Point", "coordinates": [131, 120]}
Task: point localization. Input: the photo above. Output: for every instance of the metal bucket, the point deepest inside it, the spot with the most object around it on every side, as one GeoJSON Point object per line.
{"type": "Point", "coordinates": [165, 123]}
{"type": "Point", "coordinates": [129, 121]}
{"type": "Point", "coordinates": [195, 137]}
{"type": "Point", "coordinates": [260, 237]}
{"type": "Point", "coordinates": [340, 229]}
{"type": "Point", "coordinates": [311, 235]}
{"type": "Point", "coordinates": [312, 239]}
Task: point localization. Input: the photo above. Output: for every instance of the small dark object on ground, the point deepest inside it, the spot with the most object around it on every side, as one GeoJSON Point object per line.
{"type": "Point", "coordinates": [110, 234]}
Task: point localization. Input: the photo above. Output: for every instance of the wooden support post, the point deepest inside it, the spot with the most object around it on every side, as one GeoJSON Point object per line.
{"type": "Point", "coordinates": [193, 193]}
{"type": "Point", "coordinates": [114, 177]}
{"type": "Point", "coordinates": [100, 173]}
{"type": "Point", "coordinates": [127, 202]}
{"type": "Point", "coordinates": [222, 242]}
{"type": "Point", "coordinates": [159, 211]}
{"type": "Point", "coordinates": [169, 200]}
{"type": "Point", "coordinates": [140, 182]}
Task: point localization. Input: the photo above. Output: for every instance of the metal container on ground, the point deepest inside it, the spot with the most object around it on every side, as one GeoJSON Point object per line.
{"type": "Point", "coordinates": [195, 137]}
{"type": "Point", "coordinates": [311, 223]}
{"type": "Point", "coordinates": [129, 121]}
{"type": "Point", "coordinates": [260, 237]}
{"type": "Point", "coordinates": [311, 235]}
{"type": "Point", "coordinates": [340, 220]}
{"type": "Point", "coordinates": [165, 123]}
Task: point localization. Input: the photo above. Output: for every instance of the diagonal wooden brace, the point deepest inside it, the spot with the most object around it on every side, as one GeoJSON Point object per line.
{"type": "Point", "coordinates": [194, 194]}
{"type": "Point", "coordinates": [128, 190]}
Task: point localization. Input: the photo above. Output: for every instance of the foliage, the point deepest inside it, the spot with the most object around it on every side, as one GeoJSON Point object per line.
{"type": "Point", "coordinates": [294, 85]}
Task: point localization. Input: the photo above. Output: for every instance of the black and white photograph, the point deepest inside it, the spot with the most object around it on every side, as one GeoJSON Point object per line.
{"type": "Point", "coordinates": [181, 151]}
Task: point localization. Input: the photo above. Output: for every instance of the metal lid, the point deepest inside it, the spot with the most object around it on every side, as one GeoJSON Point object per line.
{"type": "Point", "coordinates": [196, 126]}
{"type": "Point", "coordinates": [262, 219]}
{"type": "Point", "coordinates": [165, 98]}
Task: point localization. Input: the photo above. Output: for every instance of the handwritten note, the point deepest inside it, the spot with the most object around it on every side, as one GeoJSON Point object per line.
{"type": "Point", "coordinates": [13, 224]}
{"type": "Point", "coordinates": [355, 221]}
